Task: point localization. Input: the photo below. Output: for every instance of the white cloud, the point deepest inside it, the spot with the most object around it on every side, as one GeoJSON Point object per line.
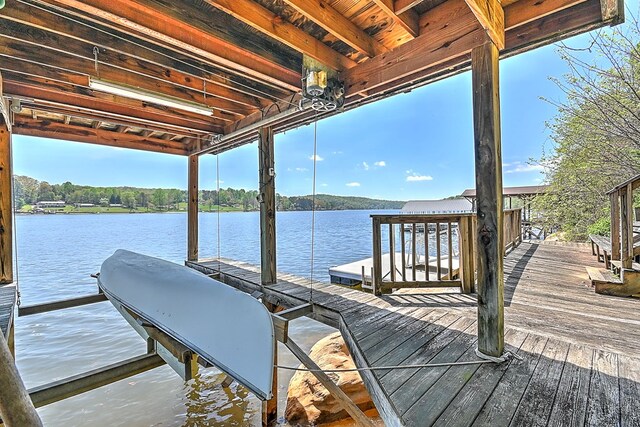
{"type": "Point", "coordinates": [353, 184]}
{"type": "Point", "coordinates": [519, 167]}
{"type": "Point", "coordinates": [301, 169]}
{"type": "Point", "coordinates": [365, 165]}
{"type": "Point", "coordinates": [324, 185]}
{"type": "Point", "coordinates": [416, 177]}
{"type": "Point", "coordinates": [317, 158]}
{"type": "Point", "coordinates": [381, 164]}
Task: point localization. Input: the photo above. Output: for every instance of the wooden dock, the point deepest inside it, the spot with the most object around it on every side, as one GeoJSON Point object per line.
{"type": "Point", "coordinates": [579, 350]}
{"type": "Point", "coordinates": [7, 308]}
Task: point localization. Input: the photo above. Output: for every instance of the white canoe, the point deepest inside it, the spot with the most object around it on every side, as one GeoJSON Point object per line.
{"type": "Point", "coordinates": [226, 327]}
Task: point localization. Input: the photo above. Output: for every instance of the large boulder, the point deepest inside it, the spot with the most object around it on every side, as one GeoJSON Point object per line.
{"type": "Point", "coordinates": [309, 402]}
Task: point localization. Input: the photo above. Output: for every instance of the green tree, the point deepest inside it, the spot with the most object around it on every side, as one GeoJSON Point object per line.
{"type": "Point", "coordinates": [159, 198]}
{"type": "Point", "coordinates": [596, 133]}
{"type": "Point", "coordinates": [128, 199]}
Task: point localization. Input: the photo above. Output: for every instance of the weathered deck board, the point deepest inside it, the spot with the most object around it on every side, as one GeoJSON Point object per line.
{"type": "Point", "coordinates": [578, 347]}
{"type": "Point", "coordinates": [7, 306]}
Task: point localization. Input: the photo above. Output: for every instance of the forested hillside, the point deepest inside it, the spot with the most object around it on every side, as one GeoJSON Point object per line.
{"type": "Point", "coordinates": [29, 191]}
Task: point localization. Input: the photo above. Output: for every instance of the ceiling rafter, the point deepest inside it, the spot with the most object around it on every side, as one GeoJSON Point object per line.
{"type": "Point", "coordinates": [401, 6]}
{"type": "Point", "coordinates": [407, 20]}
{"type": "Point", "coordinates": [320, 12]}
{"type": "Point", "coordinates": [143, 17]}
{"type": "Point", "coordinates": [262, 19]}
{"type": "Point", "coordinates": [24, 125]}
{"type": "Point", "coordinates": [26, 44]}
{"type": "Point", "coordinates": [70, 96]}
{"type": "Point", "coordinates": [178, 67]}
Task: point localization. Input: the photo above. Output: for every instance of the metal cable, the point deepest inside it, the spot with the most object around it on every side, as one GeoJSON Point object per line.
{"type": "Point", "coordinates": [313, 203]}
{"type": "Point", "coordinates": [218, 202]}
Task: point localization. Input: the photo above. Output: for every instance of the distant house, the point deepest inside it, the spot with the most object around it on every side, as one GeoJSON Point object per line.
{"type": "Point", "coordinates": [115, 205]}
{"type": "Point", "coordinates": [84, 205]}
{"type": "Point", "coordinates": [446, 206]}
{"type": "Point", "coordinates": [50, 204]}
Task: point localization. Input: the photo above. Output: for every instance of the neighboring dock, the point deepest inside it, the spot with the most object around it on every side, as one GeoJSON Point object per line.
{"type": "Point", "coordinates": [579, 349]}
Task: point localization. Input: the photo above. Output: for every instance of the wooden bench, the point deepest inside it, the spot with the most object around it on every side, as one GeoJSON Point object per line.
{"type": "Point", "coordinates": [601, 244]}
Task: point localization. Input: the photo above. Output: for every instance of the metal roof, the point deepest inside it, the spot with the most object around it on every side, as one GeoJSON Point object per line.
{"type": "Point", "coordinates": [529, 190]}
{"type": "Point", "coordinates": [437, 206]}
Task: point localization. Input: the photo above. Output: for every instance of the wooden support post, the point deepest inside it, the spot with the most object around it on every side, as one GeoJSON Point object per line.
{"type": "Point", "coordinates": [16, 408]}
{"type": "Point", "coordinates": [488, 158]}
{"type": "Point", "coordinates": [376, 275]}
{"type": "Point", "coordinates": [626, 226]}
{"type": "Point", "coordinates": [6, 203]}
{"type": "Point", "coordinates": [267, 199]}
{"type": "Point", "coordinates": [615, 226]}
{"type": "Point", "coordinates": [270, 407]}
{"type": "Point", "coordinates": [192, 210]}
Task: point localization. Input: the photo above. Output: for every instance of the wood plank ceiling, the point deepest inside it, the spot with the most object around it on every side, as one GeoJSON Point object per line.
{"type": "Point", "coordinates": [243, 59]}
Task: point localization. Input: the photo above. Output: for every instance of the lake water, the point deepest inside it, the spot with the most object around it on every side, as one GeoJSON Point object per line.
{"type": "Point", "coordinates": [56, 255]}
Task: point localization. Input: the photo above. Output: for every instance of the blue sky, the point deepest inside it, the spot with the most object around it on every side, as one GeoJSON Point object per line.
{"type": "Point", "coordinates": [411, 146]}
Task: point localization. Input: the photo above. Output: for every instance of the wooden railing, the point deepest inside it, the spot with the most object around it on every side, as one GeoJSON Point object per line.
{"type": "Point", "coordinates": [424, 251]}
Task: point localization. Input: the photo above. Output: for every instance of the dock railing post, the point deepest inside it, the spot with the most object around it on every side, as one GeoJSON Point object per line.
{"type": "Point", "coordinates": [267, 199]}
{"type": "Point", "coordinates": [377, 257]}
{"type": "Point", "coordinates": [488, 165]}
{"type": "Point", "coordinates": [192, 210]}
{"type": "Point", "coordinates": [615, 225]}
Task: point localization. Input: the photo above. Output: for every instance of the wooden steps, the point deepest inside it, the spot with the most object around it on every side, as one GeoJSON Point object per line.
{"type": "Point", "coordinates": [607, 283]}
{"type": "Point", "coordinates": [617, 266]}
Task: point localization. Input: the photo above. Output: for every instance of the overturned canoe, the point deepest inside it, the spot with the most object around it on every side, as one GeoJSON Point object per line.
{"type": "Point", "coordinates": [224, 326]}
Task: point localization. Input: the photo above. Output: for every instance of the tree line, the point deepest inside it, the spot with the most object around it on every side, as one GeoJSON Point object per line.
{"type": "Point", "coordinates": [29, 191]}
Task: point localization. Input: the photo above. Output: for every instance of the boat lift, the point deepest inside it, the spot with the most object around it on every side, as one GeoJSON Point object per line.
{"type": "Point", "coordinates": [167, 347]}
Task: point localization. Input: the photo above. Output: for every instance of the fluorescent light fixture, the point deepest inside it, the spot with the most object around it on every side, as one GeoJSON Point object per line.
{"type": "Point", "coordinates": [148, 96]}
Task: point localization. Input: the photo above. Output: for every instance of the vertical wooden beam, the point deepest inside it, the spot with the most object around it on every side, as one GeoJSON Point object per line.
{"type": "Point", "coordinates": [626, 226]}
{"type": "Point", "coordinates": [270, 407]}
{"type": "Point", "coordinates": [267, 199]}
{"type": "Point", "coordinates": [16, 407]}
{"type": "Point", "coordinates": [488, 158]}
{"type": "Point", "coordinates": [6, 203]}
{"type": "Point", "coordinates": [192, 210]}
{"type": "Point", "coordinates": [377, 257]}
{"type": "Point", "coordinates": [615, 225]}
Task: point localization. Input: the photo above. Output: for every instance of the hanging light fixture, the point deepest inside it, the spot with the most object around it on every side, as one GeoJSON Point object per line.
{"type": "Point", "coordinates": [148, 96]}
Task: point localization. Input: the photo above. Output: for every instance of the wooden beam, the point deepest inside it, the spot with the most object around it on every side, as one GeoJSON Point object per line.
{"type": "Point", "coordinates": [72, 97]}
{"type": "Point", "coordinates": [491, 16]}
{"type": "Point", "coordinates": [81, 383]}
{"type": "Point", "coordinates": [626, 226]}
{"type": "Point", "coordinates": [18, 41]}
{"type": "Point", "coordinates": [150, 19]}
{"type": "Point", "coordinates": [450, 32]}
{"type": "Point", "coordinates": [407, 20]}
{"type": "Point", "coordinates": [401, 6]}
{"type": "Point", "coordinates": [4, 110]}
{"type": "Point", "coordinates": [58, 130]}
{"type": "Point", "coordinates": [321, 12]}
{"type": "Point", "coordinates": [615, 225]}
{"type": "Point", "coordinates": [178, 67]}
{"type": "Point", "coordinates": [445, 52]}
{"type": "Point", "coordinates": [16, 408]}
{"type": "Point", "coordinates": [26, 310]}
{"type": "Point", "coordinates": [6, 205]}
{"type": "Point", "coordinates": [267, 199]}
{"type": "Point", "coordinates": [262, 19]}
{"type": "Point", "coordinates": [192, 210]}
{"type": "Point", "coordinates": [488, 164]}
{"type": "Point", "coordinates": [270, 407]}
